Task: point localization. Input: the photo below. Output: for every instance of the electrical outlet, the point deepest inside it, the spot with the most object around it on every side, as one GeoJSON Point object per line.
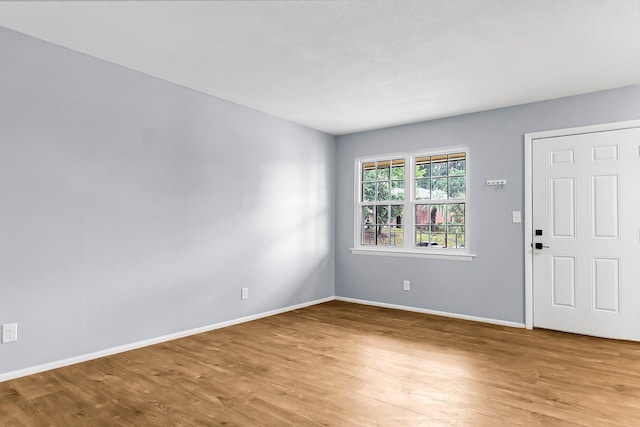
{"type": "Point", "coordinates": [496, 182]}
{"type": "Point", "coordinates": [9, 332]}
{"type": "Point", "coordinates": [244, 294]}
{"type": "Point", "coordinates": [406, 285]}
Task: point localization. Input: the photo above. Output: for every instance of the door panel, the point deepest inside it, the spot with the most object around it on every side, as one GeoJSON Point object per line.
{"type": "Point", "coordinates": [564, 281]}
{"type": "Point", "coordinates": [563, 208]}
{"type": "Point", "coordinates": [586, 201]}
{"type": "Point", "coordinates": [605, 207]}
{"type": "Point", "coordinates": [606, 284]}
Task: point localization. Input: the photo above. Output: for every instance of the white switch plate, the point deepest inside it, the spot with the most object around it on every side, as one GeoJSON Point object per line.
{"type": "Point", "coordinates": [406, 285]}
{"type": "Point", "coordinates": [496, 182]}
{"type": "Point", "coordinates": [9, 332]}
{"type": "Point", "coordinates": [244, 294]}
{"type": "Point", "coordinates": [516, 217]}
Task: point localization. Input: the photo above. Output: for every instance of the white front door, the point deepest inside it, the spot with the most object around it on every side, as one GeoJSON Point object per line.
{"type": "Point", "coordinates": [586, 224]}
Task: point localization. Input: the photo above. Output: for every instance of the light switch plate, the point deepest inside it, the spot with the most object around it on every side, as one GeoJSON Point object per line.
{"type": "Point", "coordinates": [516, 217]}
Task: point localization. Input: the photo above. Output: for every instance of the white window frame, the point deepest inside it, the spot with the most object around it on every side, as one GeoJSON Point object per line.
{"type": "Point", "coordinates": [410, 249]}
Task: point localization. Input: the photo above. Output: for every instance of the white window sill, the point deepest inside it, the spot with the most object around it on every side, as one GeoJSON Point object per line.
{"type": "Point", "coordinates": [413, 253]}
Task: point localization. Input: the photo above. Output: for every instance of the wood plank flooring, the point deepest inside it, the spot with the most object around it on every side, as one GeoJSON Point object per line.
{"type": "Point", "coordinates": [342, 364]}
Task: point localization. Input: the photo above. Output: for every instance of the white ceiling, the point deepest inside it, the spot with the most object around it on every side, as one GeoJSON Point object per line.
{"type": "Point", "coordinates": [347, 66]}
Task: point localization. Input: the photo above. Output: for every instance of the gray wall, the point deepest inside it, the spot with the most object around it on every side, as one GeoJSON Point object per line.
{"type": "Point", "coordinates": [131, 208]}
{"type": "Point", "coordinates": [492, 285]}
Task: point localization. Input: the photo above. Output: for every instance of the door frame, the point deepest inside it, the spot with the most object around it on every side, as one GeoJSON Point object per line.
{"type": "Point", "coordinates": [529, 139]}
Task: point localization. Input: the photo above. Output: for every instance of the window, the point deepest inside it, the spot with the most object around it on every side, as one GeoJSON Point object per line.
{"type": "Point", "coordinates": [439, 205]}
{"type": "Point", "coordinates": [413, 203]}
{"type": "Point", "coordinates": [382, 205]}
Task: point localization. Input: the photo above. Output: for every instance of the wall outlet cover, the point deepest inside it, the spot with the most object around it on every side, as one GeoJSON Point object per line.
{"type": "Point", "coordinates": [9, 332]}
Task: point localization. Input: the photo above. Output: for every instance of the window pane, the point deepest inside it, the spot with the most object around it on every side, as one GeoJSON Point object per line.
{"type": "Point", "coordinates": [397, 173]}
{"type": "Point", "coordinates": [396, 214]}
{"type": "Point", "coordinates": [456, 188]}
{"type": "Point", "coordinates": [456, 213]}
{"type": "Point", "coordinates": [438, 240]}
{"type": "Point", "coordinates": [455, 236]}
{"type": "Point", "coordinates": [438, 214]}
{"type": "Point", "coordinates": [383, 235]}
{"type": "Point", "coordinates": [368, 230]}
{"type": "Point", "coordinates": [369, 171]}
{"type": "Point", "coordinates": [397, 190]}
{"type": "Point", "coordinates": [383, 191]}
{"type": "Point", "coordinates": [397, 169]}
{"type": "Point", "coordinates": [397, 236]}
{"type": "Point", "coordinates": [368, 235]}
{"type": "Point", "coordinates": [383, 171]}
{"type": "Point", "coordinates": [439, 188]}
{"type": "Point", "coordinates": [422, 214]}
{"type": "Point", "coordinates": [439, 165]}
{"type": "Point", "coordinates": [457, 164]}
{"type": "Point", "coordinates": [367, 215]}
{"type": "Point", "coordinates": [422, 235]}
{"type": "Point", "coordinates": [423, 167]}
{"type": "Point", "coordinates": [368, 191]}
{"type": "Point", "coordinates": [382, 214]}
{"type": "Point", "coordinates": [423, 189]}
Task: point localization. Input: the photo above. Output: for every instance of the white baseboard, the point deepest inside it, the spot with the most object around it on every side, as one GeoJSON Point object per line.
{"type": "Point", "coordinates": [437, 313]}
{"type": "Point", "coordinates": [120, 349]}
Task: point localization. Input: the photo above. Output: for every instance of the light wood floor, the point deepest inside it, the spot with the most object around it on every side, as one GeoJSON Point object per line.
{"type": "Point", "coordinates": [341, 364]}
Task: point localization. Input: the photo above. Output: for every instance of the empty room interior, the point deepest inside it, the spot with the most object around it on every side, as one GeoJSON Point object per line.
{"type": "Point", "coordinates": [320, 213]}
